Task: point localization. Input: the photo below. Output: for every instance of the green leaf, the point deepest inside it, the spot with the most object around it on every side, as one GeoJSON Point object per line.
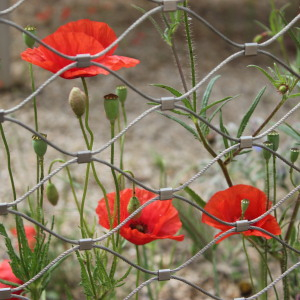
{"type": "Point", "coordinates": [176, 93]}
{"type": "Point", "coordinates": [289, 130]}
{"type": "Point", "coordinates": [224, 130]}
{"type": "Point", "coordinates": [249, 113]}
{"type": "Point", "coordinates": [271, 79]}
{"type": "Point", "coordinates": [293, 96]}
{"type": "Point", "coordinates": [195, 196]}
{"type": "Point", "coordinates": [182, 123]}
{"type": "Point", "coordinates": [85, 280]}
{"type": "Point", "coordinates": [215, 103]}
{"type": "Point", "coordinates": [206, 96]}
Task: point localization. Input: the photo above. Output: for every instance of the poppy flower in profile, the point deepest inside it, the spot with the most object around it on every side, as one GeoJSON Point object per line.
{"type": "Point", "coordinates": [7, 274]}
{"type": "Point", "coordinates": [79, 37]}
{"type": "Point", "coordinates": [30, 233]}
{"type": "Point", "coordinates": [159, 220]}
{"type": "Point", "coordinates": [226, 205]}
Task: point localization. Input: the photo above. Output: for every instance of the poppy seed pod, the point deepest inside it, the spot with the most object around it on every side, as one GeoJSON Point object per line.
{"type": "Point", "coordinates": [267, 154]}
{"type": "Point", "coordinates": [28, 40]}
{"type": "Point", "coordinates": [39, 145]}
{"type": "Point", "coordinates": [294, 154]}
{"type": "Point", "coordinates": [111, 106]}
{"type": "Point", "coordinates": [133, 205]}
{"type": "Point", "coordinates": [77, 101]}
{"type": "Point", "coordinates": [121, 91]}
{"type": "Point", "coordinates": [52, 193]}
{"type": "Point", "coordinates": [273, 137]}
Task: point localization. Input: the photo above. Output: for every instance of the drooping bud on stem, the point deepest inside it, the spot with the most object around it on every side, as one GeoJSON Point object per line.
{"type": "Point", "coordinates": [121, 91]}
{"type": "Point", "coordinates": [244, 206]}
{"type": "Point", "coordinates": [77, 101]}
{"type": "Point", "coordinates": [273, 137]}
{"type": "Point", "coordinates": [52, 193]}
{"type": "Point", "coordinates": [133, 205]}
{"type": "Point", "coordinates": [111, 106]}
{"type": "Point", "coordinates": [267, 154]}
{"type": "Point", "coordinates": [294, 154]}
{"type": "Point", "coordinates": [39, 145]}
{"type": "Point", "coordinates": [28, 40]}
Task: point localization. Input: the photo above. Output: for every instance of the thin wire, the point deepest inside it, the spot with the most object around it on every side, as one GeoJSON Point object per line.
{"type": "Point", "coordinates": [140, 287]}
{"type": "Point", "coordinates": [11, 8]}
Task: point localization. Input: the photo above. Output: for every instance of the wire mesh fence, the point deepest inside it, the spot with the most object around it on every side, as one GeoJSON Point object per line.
{"type": "Point", "coordinates": [163, 104]}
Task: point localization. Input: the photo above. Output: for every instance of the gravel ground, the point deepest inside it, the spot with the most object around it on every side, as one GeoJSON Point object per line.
{"type": "Point", "coordinates": [154, 134]}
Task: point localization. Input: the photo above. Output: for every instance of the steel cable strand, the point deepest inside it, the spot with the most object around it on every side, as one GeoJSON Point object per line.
{"type": "Point", "coordinates": [115, 229]}
{"type": "Point", "coordinates": [283, 243]}
{"type": "Point", "coordinates": [233, 224]}
{"type": "Point", "coordinates": [132, 179]}
{"type": "Point", "coordinates": [280, 62]}
{"type": "Point", "coordinates": [45, 179]}
{"type": "Point", "coordinates": [40, 136]}
{"type": "Point", "coordinates": [210, 244]}
{"type": "Point", "coordinates": [42, 272]}
{"type": "Point", "coordinates": [11, 8]}
{"type": "Point", "coordinates": [274, 282]}
{"type": "Point", "coordinates": [121, 133]}
{"type": "Point", "coordinates": [277, 123]}
{"type": "Point", "coordinates": [217, 68]}
{"type": "Point", "coordinates": [125, 259]}
{"type": "Point", "coordinates": [140, 287]}
{"type": "Point", "coordinates": [220, 155]}
{"type": "Point", "coordinates": [278, 156]}
{"type": "Point", "coordinates": [195, 286]}
{"type": "Point", "coordinates": [280, 33]}
{"type": "Point", "coordinates": [211, 27]}
{"type": "Point", "coordinates": [76, 242]}
{"type": "Point", "coordinates": [297, 188]}
{"type": "Point", "coordinates": [19, 297]}
{"type": "Point", "coordinates": [40, 88]}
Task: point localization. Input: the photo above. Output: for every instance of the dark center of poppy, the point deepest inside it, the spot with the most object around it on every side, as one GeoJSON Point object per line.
{"type": "Point", "coordinates": [140, 227]}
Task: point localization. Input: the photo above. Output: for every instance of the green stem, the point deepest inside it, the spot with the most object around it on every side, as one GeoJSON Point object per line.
{"type": "Point", "coordinates": [11, 177]}
{"type": "Point", "coordinates": [34, 98]}
{"type": "Point", "coordinates": [216, 275]}
{"type": "Point", "coordinates": [285, 282]}
{"type": "Point", "coordinates": [293, 219]}
{"type": "Point", "coordinates": [213, 154]}
{"type": "Point", "coordinates": [83, 200]}
{"type": "Point", "coordinates": [87, 110]}
{"type": "Point", "coordinates": [41, 199]}
{"type": "Point", "coordinates": [191, 54]}
{"type": "Point", "coordinates": [117, 206]}
{"type": "Point", "coordinates": [145, 261]}
{"type": "Point", "coordinates": [138, 259]}
{"type": "Point", "coordinates": [248, 262]}
{"type": "Point", "coordinates": [274, 185]}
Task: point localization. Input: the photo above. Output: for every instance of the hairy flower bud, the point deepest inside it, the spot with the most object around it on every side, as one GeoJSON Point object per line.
{"type": "Point", "coordinates": [77, 101]}
{"type": "Point", "coordinates": [111, 106]}
{"type": "Point", "coordinates": [294, 154]}
{"type": "Point", "coordinates": [121, 91]}
{"type": "Point", "coordinates": [273, 137]}
{"type": "Point", "coordinates": [267, 154]}
{"type": "Point", "coordinates": [283, 88]}
{"type": "Point", "coordinates": [39, 145]}
{"type": "Point", "coordinates": [133, 205]}
{"type": "Point", "coordinates": [52, 193]}
{"type": "Point", "coordinates": [28, 40]}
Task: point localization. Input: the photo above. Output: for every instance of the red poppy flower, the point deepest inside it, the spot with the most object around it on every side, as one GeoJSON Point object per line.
{"type": "Point", "coordinates": [79, 37]}
{"type": "Point", "coordinates": [159, 220]}
{"type": "Point", "coordinates": [30, 233]}
{"type": "Point", "coordinates": [7, 274]}
{"type": "Point", "coordinates": [226, 205]}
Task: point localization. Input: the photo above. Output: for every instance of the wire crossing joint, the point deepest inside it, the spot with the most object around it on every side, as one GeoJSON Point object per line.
{"type": "Point", "coordinates": [165, 193]}
{"type": "Point", "coordinates": [246, 142]}
{"type": "Point", "coordinates": [86, 244]}
{"type": "Point", "coordinates": [3, 210]}
{"type": "Point", "coordinates": [84, 157]}
{"type": "Point", "coordinates": [169, 5]}
{"type": "Point", "coordinates": [83, 60]}
{"type": "Point", "coordinates": [167, 103]}
{"type": "Point", "coordinates": [5, 293]}
{"type": "Point", "coordinates": [251, 49]}
{"type": "Point", "coordinates": [2, 115]}
{"type": "Point", "coordinates": [164, 274]}
{"type": "Point", "coordinates": [242, 225]}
